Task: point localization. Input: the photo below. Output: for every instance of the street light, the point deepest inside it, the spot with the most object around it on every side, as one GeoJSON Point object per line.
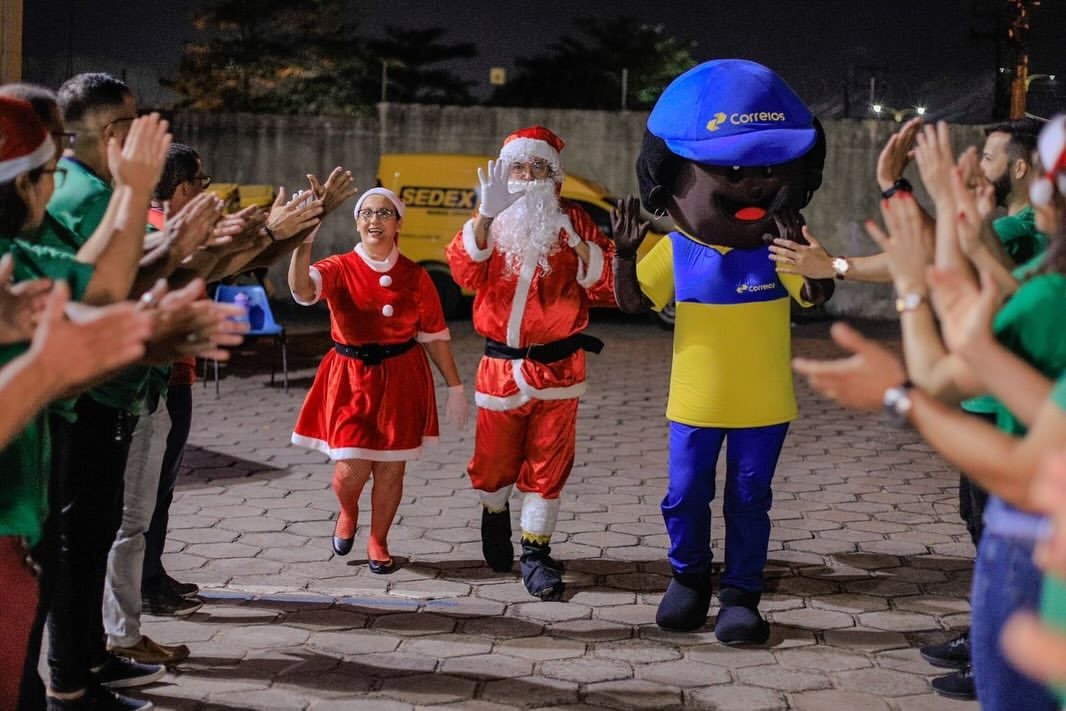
{"type": "Point", "coordinates": [1033, 77]}
{"type": "Point", "coordinates": [897, 114]}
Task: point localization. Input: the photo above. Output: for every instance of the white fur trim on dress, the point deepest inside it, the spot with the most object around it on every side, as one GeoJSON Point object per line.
{"type": "Point", "coordinates": [424, 337]}
{"type": "Point", "coordinates": [539, 514]}
{"type": "Point", "coordinates": [11, 169]}
{"type": "Point", "coordinates": [521, 148]}
{"type": "Point", "coordinates": [496, 501]}
{"type": "Point", "coordinates": [374, 455]}
{"type": "Point", "coordinates": [316, 279]}
{"type": "Point", "coordinates": [379, 265]}
{"type": "Point", "coordinates": [470, 243]}
{"type": "Point", "coordinates": [588, 276]}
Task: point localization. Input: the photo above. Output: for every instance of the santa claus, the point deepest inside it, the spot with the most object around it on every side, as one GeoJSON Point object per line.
{"type": "Point", "coordinates": [537, 263]}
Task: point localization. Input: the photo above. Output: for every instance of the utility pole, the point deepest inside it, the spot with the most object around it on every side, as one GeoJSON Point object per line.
{"type": "Point", "coordinates": [1019, 29]}
{"type": "Point", "coordinates": [10, 41]}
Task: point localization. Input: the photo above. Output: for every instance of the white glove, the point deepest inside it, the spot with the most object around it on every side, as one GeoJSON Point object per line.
{"type": "Point", "coordinates": [572, 238]}
{"type": "Point", "coordinates": [496, 196]}
{"type": "Point", "coordinates": [456, 408]}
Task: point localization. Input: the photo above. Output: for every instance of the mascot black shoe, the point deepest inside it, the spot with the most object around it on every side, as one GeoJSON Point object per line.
{"type": "Point", "coordinates": [685, 604]}
{"type": "Point", "coordinates": [496, 539]}
{"type": "Point", "coordinates": [739, 621]}
{"type": "Point", "coordinates": [542, 575]}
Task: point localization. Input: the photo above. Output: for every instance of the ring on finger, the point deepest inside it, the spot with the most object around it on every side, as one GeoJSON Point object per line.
{"type": "Point", "coordinates": [148, 300]}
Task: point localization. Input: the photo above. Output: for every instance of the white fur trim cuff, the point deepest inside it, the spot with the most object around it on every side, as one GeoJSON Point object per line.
{"type": "Point", "coordinates": [316, 279]}
{"type": "Point", "coordinates": [588, 276]}
{"type": "Point", "coordinates": [496, 501]}
{"type": "Point", "coordinates": [539, 514]}
{"type": "Point", "coordinates": [470, 242]}
{"type": "Point", "coordinates": [423, 337]}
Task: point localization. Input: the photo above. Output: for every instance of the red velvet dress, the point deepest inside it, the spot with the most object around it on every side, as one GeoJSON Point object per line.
{"type": "Point", "coordinates": [385, 411]}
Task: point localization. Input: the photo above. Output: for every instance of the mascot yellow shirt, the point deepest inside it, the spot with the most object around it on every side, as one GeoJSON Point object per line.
{"type": "Point", "coordinates": [732, 340]}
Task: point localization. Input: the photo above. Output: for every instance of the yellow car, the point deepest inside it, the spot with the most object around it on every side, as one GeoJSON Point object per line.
{"type": "Point", "coordinates": [237, 197]}
{"type": "Point", "coordinates": [439, 191]}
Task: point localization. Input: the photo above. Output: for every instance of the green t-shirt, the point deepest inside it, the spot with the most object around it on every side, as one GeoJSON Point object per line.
{"type": "Point", "coordinates": [25, 463]}
{"type": "Point", "coordinates": [1024, 325]}
{"type": "Point", "coordinates": [1026, 246]}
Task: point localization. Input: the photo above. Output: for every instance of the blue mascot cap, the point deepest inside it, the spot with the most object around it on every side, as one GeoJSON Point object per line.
{"type": "Point", "coordinates": [733, 112]}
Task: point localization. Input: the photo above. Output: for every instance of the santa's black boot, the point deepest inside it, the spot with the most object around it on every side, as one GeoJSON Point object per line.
{"type": "Point", "coordinates": [542, 575]}
{"type": "Point", "coordinates": [739, 621]}
{"type": "Point", "coordinates": [685, 604]}
{"type": "Point", "coordinates": [496, 543]}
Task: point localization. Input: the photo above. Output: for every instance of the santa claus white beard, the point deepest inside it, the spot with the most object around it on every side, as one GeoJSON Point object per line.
{"type": "Point", "coordinates": [529, 226]}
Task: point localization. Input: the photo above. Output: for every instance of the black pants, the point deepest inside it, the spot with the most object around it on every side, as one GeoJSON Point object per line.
{"type": "Point", "coordinates": [179, 407]}
{"type": "Point", "coordinates": [90, 514]}
{"type": "Point", "coordinates": [972, 498]}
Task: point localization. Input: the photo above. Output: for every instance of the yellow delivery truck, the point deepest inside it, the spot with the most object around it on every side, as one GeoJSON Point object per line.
{"type": "Point", "coordinates": [439, 190]}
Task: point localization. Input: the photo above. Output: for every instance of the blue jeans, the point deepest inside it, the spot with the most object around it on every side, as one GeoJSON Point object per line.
{"type": "Point", "coordinates": [751, 457]}
{"type": "Point", "coordinates": [1005, 581]}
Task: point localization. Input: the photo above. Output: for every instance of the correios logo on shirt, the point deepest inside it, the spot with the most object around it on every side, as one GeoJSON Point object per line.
{"type": "Point", "coordinates": [754, 288]}
{"type": "Point", "coordinates": [739, 119]}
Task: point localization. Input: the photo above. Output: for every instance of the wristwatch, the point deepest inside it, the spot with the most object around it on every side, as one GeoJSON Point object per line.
{"type": "Point", "coordinates": [909, 302]}
{"type": "Point", "coordinates": [897, 402]}
{"type": "Point", "coordinates": [899, 184]}
{"type": "Point", "coordinates": [841, 265]}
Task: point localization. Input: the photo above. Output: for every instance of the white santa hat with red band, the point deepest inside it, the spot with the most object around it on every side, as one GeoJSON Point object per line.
{"type": "Point", "coordinates": [534, 142]}
{"type": "Point", "coordinates": [1051, 147]}
{"type": "Point", "coordinates": [25, 143]}
{"type": "Point", "coordinates": [393, 198]}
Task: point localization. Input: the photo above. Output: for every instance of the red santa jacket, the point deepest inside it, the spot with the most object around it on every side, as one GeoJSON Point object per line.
{"type": "Point", "coordinates": [521, 310]}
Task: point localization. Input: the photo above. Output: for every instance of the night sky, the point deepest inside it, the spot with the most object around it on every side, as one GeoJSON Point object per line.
{"type": "Point", "coordinates": [918, 50]}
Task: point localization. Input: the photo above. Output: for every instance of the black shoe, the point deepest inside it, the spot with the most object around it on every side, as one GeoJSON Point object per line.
{"type": "Point", "coordinates": [341, 546]}
{"type": "Point", "coordinates": [956, 685]}
{"type": "Point", "coordinates": [686, 602]}
{"type": "Point", "coordinates": [181, 589]}
{"type": "Point", "coordinates": [100, 699]}
{"type": "Point", "coordinates": [542, 574]}
{"type": "Point", "coordinates": [382, 567]}
{"type": "Point", "coordinates": [120, 673]}
{"type": "Point", "coordinates": [953, 654]}
{"type": "Point", "coordinates": [739, 621]}
{"type": "Point", "coordinates": [496, 544]}
{"type": "Point", "coordinates": [166, 603]}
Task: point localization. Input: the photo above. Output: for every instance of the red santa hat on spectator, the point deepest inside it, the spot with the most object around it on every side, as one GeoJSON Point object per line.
{"type": "Point", "coordinates": [25, 143]}
{"type": "Point", "coordinates": [534, 142]}
{"type": "Point", "coordinates": [1051, 147]}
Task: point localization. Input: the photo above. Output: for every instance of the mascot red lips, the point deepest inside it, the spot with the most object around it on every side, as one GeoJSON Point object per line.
{"type": "Point", "coordinates": [750, 213]}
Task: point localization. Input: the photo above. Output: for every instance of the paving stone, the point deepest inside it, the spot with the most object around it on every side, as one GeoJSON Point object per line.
{"type": "Point", "coordinates": [865, 639]}
{"type": "Point", "coordinates": [443, 646]}
{"type": "Point", "coordinates": [586, 670]}
{"type": "Point", "coordinates": [735, 697]}
{"type": "Point", "coordinates": [487, 666]}
{"type": "Point", "coordinates": [633, 694]}
{"type": "Point", "coordinates": [352, 643]}
{"type": "Point", "coordinates": [882, 682]}
{"type": "Point", "coordinates": [541, 648]}
{"type": "Point", "coordinates": [901, 621]}
{"type": "Point", "coordinates": [428, 689]}
{"type": "Point", "coordinates": [683, 673]}
{"type": "Point", "coordinates": [591, 630]}
{"type": "Point", "coordinates": [836, 700]}
{"type": "Point", "coordinates": [550, 611]}
{"type": "Point", "coordinates": [531, 691]}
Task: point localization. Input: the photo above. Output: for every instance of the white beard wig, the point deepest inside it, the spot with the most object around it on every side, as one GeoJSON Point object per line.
{"type": "Point", "coordinates": [531, 225]}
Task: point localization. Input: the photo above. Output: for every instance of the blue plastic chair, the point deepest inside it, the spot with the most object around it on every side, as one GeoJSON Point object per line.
{"type": "Point", "coordinates": [261, 324]}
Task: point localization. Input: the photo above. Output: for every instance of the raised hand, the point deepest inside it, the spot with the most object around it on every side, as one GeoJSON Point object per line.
{"type": "Point", "coordinates": [858, 381]}
{"type": "Point", "coordinates": [965, 313]}
{"type": "Point", "coordinates": [935, 160]}
{"type": "Point", "coordinates": [339, 187]}
{"type": "Point", "coordinates": [810, 260]}
{"type": "Point", "coordinates": [292, 217]}
{"type": "Point", "coordinates": [897, 153]}
{"type": "Point", "coordinates": [138, 162]}
{"type": "Point", "coordinates": [496, 195]}
{"type": "Point", "coordinates": [19, 303]}
{"type": "Point", "coordinates": [627, 229]}
{"type": "Point", "coordinates": [237, 231]}
{"type": "Point", "coordinates": [908, 245]}
{"type": "Point", "coordinates": [185, 324]}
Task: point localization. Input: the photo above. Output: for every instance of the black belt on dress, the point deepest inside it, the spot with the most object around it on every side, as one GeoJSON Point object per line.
{"type": "Point", "coordinates": [545, 352]}
{"type": "Point", "coordinates": [373, 353]}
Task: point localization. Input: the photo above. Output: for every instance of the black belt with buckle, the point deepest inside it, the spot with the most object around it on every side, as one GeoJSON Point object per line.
{"type": "Point", "coordinates": [545, 352]}
{"type": "Point", "coordinates": [374, 353]}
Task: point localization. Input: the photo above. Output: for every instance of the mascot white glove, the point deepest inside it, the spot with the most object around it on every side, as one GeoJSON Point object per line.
{"type": "Point", "coordinates": [456, 408]}
{"type": "Point", "coordinates": [496, 196]}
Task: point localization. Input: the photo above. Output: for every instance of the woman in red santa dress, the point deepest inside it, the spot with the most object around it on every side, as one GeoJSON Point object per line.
{"type": "Point", "coordinates": [372, 405]}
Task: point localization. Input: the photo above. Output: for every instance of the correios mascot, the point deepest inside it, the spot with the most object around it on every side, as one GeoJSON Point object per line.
{"type": "Point", "coordinates": [732, 154]}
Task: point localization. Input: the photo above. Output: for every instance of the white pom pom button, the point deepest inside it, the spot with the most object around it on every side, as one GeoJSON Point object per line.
{"type": "Point", "coordinates": [385, 280]}
{"type": "Point", "coordinates": [387, 310]}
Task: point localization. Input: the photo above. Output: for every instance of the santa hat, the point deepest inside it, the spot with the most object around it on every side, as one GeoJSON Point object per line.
{"type": "Point", "coordinates": [534, 142]}
{"type": "Point", "coordinates": [384, 192]}
{"type": "Point", "coordinates": [1051, 147]}
{"type": "Point", "coordinates": [25, 143]}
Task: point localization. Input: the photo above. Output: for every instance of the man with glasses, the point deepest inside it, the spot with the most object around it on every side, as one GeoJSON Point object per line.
{"type": "Point", "coordinates": [537, 263]}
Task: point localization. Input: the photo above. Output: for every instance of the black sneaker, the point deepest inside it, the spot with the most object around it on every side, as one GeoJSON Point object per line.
{"type": "Point", "coordinates": [100, 699]}
{"type": "Point", "coordinates": [121, 673]}
{"type": "Point", "coordinates": [167, 603]}
{"type": "Point", "coordinates": [956, 685]}
{"type": "Point", "coordinates": [179, 588]}
{"type": "Point", "coordinates": [954, 654]}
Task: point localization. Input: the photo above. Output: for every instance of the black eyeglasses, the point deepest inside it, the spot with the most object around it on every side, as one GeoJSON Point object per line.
{"type": "Point", "coordinates": [382, 213]}
{"type": "Point", "coordinates": [66, 138]}
{"type": "Point", "coordinates": [204, 180]}
{"type": "Point", "coordinates": [59, 175]}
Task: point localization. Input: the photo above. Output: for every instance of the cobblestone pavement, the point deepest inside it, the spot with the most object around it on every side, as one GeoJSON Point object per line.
{"type": "Point", "coordinates": [868, 560]}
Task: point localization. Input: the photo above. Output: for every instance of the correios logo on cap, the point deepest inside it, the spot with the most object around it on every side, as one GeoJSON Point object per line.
{"type": "Point", "coordinates": [739, 119]}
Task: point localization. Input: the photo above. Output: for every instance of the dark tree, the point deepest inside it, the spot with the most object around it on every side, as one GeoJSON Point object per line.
{"type": "Point", "coordinates": [586, 72]}
{"type": "Point", "coordinates": [411, 74]}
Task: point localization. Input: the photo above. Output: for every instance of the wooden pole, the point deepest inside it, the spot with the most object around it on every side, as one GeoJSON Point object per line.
{"type": "Point", "coordinates": [10, 41]}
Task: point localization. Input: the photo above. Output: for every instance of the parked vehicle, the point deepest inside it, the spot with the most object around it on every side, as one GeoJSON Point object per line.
{"type": "Point", "coordinates": [439, 191]}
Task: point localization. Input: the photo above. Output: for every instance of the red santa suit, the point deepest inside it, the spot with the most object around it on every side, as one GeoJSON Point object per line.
{"type": "Point", "coordinates": [374, 407]}
{"type": "Point", "coordinates": [527, 409]}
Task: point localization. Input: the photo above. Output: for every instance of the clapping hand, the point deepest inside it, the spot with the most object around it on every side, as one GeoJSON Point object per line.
{"type": "Point", "coordinates": [627, 229]}
{"type": "Point", "coordinates": [339, 187]}
{"type": "Point", "coordinates": [19, 303]}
